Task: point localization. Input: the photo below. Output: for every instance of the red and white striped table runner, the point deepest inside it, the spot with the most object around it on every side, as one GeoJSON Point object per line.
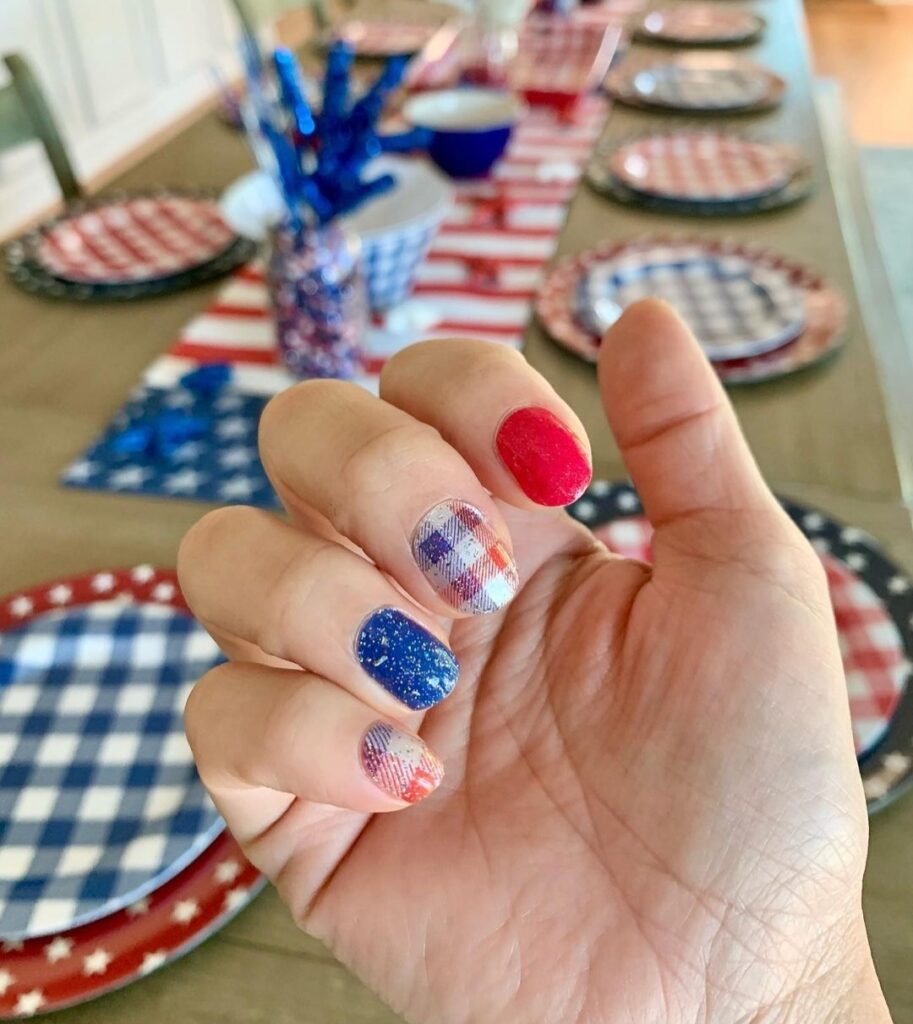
{"type": "Point", "coordinates": [478, 280]}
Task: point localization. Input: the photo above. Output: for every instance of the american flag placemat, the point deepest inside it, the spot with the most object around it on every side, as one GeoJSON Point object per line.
{"type": "Point", "coordinates": [478, 281]}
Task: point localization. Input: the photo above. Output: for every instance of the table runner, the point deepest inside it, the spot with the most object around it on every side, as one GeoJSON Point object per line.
{"type": "Point", "coordinates": [478, 281]}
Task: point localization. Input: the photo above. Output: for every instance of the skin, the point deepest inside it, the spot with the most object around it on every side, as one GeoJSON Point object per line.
{"type": "Point", "coordinates": [651, 812]}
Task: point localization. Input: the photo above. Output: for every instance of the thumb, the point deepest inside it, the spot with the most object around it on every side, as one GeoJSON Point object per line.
{"type": "Point", "coordinates": [677, 432]}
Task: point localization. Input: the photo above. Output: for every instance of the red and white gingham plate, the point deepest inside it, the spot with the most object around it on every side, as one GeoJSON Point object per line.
{"type": "Point", "coordinates": [141, 238]}
{"type": "Point", "coordinates": [825, 308]}
{"type": "Point", "coordinates": [700, 24]}
{"type": "Point", "coordinates": [696, 82]}
{"type": "Point", "coordinates": [40, 975]}
{"type": "Point", "coordinates": [703, 165]}
{"type": "Point", "coordinates": [384, 38]}
{"type": "Point", "coordinates": [872, 647]}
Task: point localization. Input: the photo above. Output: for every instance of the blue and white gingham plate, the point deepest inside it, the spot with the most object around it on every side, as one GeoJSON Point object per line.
{"type": "Point", "coordinates": [736, 308]}
{"type": "Point", "coordinates": [100, 802]}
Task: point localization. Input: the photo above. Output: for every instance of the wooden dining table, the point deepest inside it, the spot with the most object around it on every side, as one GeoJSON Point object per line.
{"type": "Point", "coordinates": [838, 437]}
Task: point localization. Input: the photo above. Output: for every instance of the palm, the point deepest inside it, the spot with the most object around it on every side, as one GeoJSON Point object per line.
{"type": "Point", "coordinates": [590, 731]}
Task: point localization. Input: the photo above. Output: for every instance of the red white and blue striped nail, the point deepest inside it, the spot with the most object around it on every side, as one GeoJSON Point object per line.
{"type": "Point", "coordinates": [463, 558]}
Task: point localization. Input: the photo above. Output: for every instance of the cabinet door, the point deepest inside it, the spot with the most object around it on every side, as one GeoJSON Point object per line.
{"type": "Point", "coordinates": [111, 46]}
{"type": "Point", "coordinates": [192, 35]}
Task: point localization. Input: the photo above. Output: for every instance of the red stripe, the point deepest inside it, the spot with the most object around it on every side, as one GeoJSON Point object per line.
{"type": "Point", "coordinates": [429, 288]}
{"type": "Point", "coordinates": [249, 273]}
{"type": "Point", "coordinates": [438, 255]}
{"type": "Point", "coordinates": [458, 326]}
{"type": "Point", "coordinates": [239, 312]}
{"type": "Point", "coordinates": [215, 353]}
{"type": "Point", "coordinates": [498, 230]}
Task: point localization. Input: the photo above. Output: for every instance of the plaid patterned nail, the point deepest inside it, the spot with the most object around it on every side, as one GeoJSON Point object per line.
{"type": "Point", "coordinates": [463, 559]}
{"type": "Point", "coordinates": [399, 763]}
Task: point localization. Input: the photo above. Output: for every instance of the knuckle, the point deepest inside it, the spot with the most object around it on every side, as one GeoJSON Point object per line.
{"type": "Point", "coordinates": [382, 462]}
{"type": "Point", "coordinates": [310, 396]}
{"type": "Point", "coordinates": [203, 542]}
{"type": "Point", "coordinates": [292, 596]}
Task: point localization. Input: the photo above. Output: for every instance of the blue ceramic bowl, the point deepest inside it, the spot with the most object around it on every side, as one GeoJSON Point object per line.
{"type": "Point", "coordinates": [469, 128]}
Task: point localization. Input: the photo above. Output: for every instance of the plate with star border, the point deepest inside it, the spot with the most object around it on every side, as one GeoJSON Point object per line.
{"type": "Point", "coordinates": [100, 801]}
{"type": "Point", "coordinates": [873, 608]}
{"type": "Point", "coordinates": [80, 964]}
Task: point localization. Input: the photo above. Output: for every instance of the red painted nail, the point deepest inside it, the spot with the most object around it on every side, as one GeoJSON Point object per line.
{"type": "Point", "coordinates": [545, 458]}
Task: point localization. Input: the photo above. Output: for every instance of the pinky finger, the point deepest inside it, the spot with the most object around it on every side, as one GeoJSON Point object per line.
{"type": "Point", "coordinates": [256, 727]}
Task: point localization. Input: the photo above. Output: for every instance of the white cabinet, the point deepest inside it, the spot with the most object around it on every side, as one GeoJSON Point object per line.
{"type": "Point", "coordinates": [116, 72]}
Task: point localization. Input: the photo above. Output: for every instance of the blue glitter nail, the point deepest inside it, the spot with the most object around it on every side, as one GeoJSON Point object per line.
{"type": "Point", "coordinates": [406, 659]}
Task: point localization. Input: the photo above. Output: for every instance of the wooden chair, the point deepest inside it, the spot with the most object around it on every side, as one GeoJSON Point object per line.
{"type": "Point", "coordinates": [25, 115]}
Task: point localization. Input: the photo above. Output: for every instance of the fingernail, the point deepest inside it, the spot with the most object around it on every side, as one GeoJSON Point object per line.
{"type": "Point", "coordinates": [406, 659]}
{"type": "Point", "coordinates": [463, 559]}
{"type": "Point", "coordinates": [543, 456]}
{"type": "Point", "coordinates": [399, 763]}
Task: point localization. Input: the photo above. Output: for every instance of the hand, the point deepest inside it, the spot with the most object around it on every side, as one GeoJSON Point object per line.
{"type": "Point", "coordinates": [651, 810]}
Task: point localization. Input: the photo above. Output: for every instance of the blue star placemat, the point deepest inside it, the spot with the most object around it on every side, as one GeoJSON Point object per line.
{"type": "Point", "coordinates": [180, 443]}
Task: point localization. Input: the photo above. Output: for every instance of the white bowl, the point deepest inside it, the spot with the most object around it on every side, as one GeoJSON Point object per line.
{"type": "Point", "coordinates": [397, 228]}
{"type": "Point", "coordinates": [464, 110]}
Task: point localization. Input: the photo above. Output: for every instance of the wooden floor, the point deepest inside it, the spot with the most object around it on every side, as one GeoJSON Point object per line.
{"type": "Point", "coordinates": [868, 48]}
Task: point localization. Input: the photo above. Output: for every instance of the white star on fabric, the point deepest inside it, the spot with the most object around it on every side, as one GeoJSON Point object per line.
{"type": "Point", "coordinates": [856, 561]}
{"type": "Point", "coordinates": [140, 907]}
{"type": "Point", "coordinates": [129, 477]}
{"type": "Point", "coordinates": [228, 402]}
{"type": "Point", "coordinates": [102, 582]}
{"type": "Point", "coordinates": [812, 521]}
{"type": "Point", "coordinates": [12, 945]}
{"type": "Point", "coordinates": [164, 591]}
{"type": "Point", "coordinates": [6, 979]}
{"type": "Point", "coordinates": [178, 400]}
{"type": "Point", "coordinates": [96, 962]}
{"type": "Point", "coordinates": [227, 871]}
{"type": "Point", "coordinates": [79, 472]}
{"type": "Point", "coordinates": [821, 545]}
{"type": "Point", "coordinates": [184, 482]}
{"type": "Point", "coordinates": [898, 584]}
{"type": "Point", "coordinates": [153, 961]}
{"type": "Point", "coordinates": [21, 606]}
{"type": "Point", "coordinates": [235, 898]}
{"type": "Point", "coordinates": [58, 949]}
{"type": "Point", "coordinates": [237, 487]}
{"type": "Point", "coordinates": [185, 911]}
{"type": "Point", "coordinates": [585, 509]}
{"type": "Point", "coordinates": [188, 451]}
{"type": "Point", "coordinates": [60, 594]}
{"type": "Point", "coordinates": [234, 426]}
{"type": "Point", "coordinates": [626, 500]}
{"type": "Point", "coordinates": [142, 573]}
{"type": "Point", "coordinates": [234, 458]}
{"type": "Point", "coordinates": [29, 1003]}
{"type": "Point", "coordinates": [600, 488]}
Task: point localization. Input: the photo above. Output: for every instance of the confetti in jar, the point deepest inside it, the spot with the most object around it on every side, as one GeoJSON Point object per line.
{"type": "Point", "coordinates": [318, 299]}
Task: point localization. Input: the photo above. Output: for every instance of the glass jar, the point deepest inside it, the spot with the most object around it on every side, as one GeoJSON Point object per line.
{"type": "Point", "coordinates": [318, 299]}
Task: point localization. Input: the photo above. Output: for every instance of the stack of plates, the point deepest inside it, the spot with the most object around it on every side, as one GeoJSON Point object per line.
{"type": "Point", "coordinates": [709, 83]}
{"type": "Point", "coordinates": [128, 247]}
{"type": "Point", "coordinates": [107, 867]}
{"type": "Point", "coordinates": [872, 600]}
{"type": "Point", "coordinates": [699, 25]}
{"type": "Point", "coordinates": [701, 172]}
{"type": "Point", "coordinates": [756, 314]}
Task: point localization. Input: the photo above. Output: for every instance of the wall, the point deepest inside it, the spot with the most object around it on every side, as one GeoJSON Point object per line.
{"type": "Point", "coordinates": [116, 72]}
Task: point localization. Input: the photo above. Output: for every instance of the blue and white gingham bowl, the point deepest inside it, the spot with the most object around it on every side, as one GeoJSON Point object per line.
{"type": "Point", "coordinates": [398, 227]}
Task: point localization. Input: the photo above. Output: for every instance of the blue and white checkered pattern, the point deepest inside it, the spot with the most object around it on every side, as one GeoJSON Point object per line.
{"type": "Point", "coordinates": [390, 261]}
{"type": "Point", "coordinates": [220, 466]}
{"type": "Point", "coordinates": [100, 801]}
{"type": "Point", "coordinates": [735, 308]}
